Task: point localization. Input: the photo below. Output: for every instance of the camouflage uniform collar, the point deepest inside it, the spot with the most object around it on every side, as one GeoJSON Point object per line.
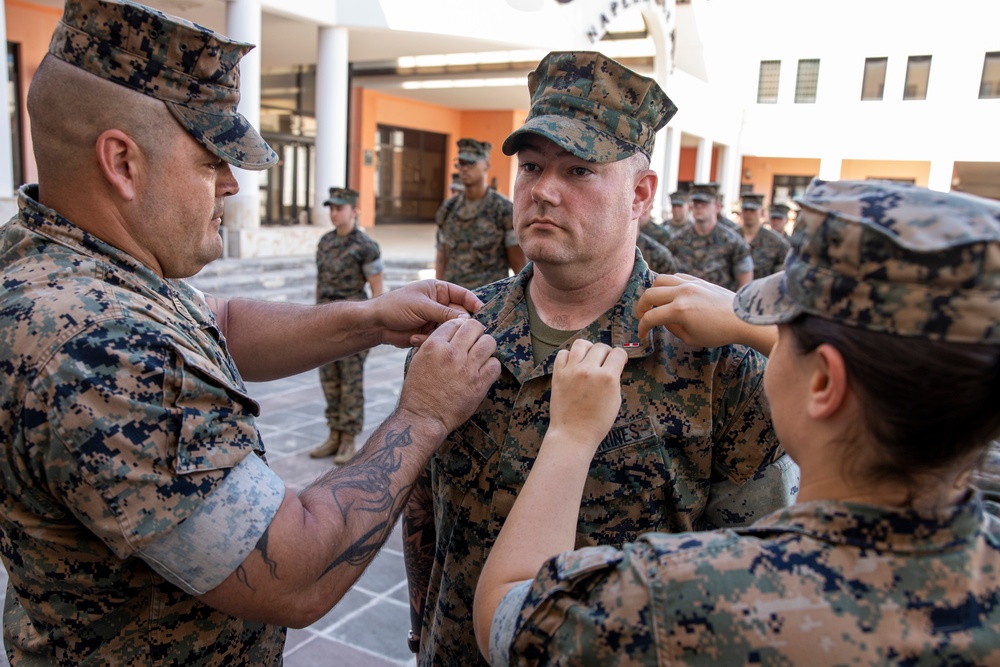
{"type": "Point", "coordinates": [888, 530]}
{"type": "Point", "coordinates": [125, 268]}
{"type": "Point", "coordinates": [505, 316]}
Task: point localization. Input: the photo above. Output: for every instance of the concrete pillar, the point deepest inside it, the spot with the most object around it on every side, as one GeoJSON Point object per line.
{"type": "Point", "coordinates": [332, 100]}
{"type": "Point", "coordinates": [243, 23]}
{"type": "Point", "coordinates": [661, 27]}
{"type": "Point", "coordinates": [703, 163]}
{"type": "Point", "coordinates": [829, 167]}
{"type": "Point", "coordinates": [671, 170]}
{"type": "Point", "coordinates": [8, 202]}
{"type": "Point", "coordinates": [731, 176]}
{"type": "Point", "coordinates": [942, 171]}
{"type": "Point", "coordinates": [722, 175]}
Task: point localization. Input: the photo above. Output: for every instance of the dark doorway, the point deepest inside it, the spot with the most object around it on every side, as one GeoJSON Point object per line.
{"type": "Point", "coordinates": [409, 174]}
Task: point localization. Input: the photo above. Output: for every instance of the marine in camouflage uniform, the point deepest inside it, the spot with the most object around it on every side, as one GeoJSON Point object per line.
{"type": "Point", "coordinates": [691, 431]}
{"type": "Point", "coordinates": [475, 236]}
{"type": "Point", "coordinates": [657, 257]}
{"type": "Point", "coordinates": [127, 428]}
{"type": "Point", "coordinates": [718, 257]}
{"type": "Point", "coordinates": [680, 216]}
{"type": "Point", "coordinates": [109, 361]}
{"type": "Point", "coordinates": [345, 263]}
{"type": "Point", "coordinates": [825, 582]}
{"type": "Point", "coordinates": [654, 230]}
{"type": "Point", "coordinates": [711, 193]}
{"type": "Point", "coordinates": [767, 247]}
{"type": "Point", "coordinates": [778, 219]}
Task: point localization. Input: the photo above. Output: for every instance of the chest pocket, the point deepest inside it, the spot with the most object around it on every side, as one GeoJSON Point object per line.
{"type": "Point", "coordinates": [217, 417]}
{"type": "Point", "coordinates": [461, 460]}
{"type": "Point", "coordinates": [624, 494]}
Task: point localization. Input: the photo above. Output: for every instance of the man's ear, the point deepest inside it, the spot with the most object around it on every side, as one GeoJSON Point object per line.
{"type": "Point", "coordinates": [645, 190]}
{"type": "Point", "coordinates": [828, 388]}
{"type": "Point", "coordinates": [118, 157]}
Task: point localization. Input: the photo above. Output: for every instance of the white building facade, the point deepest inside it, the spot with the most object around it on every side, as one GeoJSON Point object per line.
{"type": "Point", "coordinates": [373, 94]}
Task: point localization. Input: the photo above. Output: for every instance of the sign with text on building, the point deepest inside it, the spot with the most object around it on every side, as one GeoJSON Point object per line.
{"type": "Point", "coordinates": [611, 9]}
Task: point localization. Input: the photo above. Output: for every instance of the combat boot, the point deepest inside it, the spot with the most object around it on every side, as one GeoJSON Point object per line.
{"type": "Point", "coordinates": [329, 448]}
{"type": "Point", "coordinates": [346, 449]}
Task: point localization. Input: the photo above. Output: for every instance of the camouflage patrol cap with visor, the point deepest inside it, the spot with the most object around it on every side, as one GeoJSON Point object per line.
{"type": "Point", "coordinates": [192, 69]}
{"type": "Point", "coordinates": [341, 196]}
{"type": "Point", "coordinates": [890, 258]}
{"type": "Point", "coordinates": [472, 150]}
{"type": "Point", "coordinates": [593, 107]}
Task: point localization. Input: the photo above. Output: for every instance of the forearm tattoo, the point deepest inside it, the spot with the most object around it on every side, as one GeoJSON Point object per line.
{"type": "Point", "coordinates": [362, 491]}
{"type": "Point", "coordinates": [365, 487]}
{"type": "Point", "coordinates": [272, 565]}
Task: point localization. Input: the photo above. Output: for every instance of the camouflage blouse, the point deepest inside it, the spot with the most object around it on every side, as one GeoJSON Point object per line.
{"type": "Point", "coordinates": [692, 428]}
{"type": "Point", "coordinates": [718, 257]}
{"type": "Point", "coordinates": [344, 264]}
{"type": "Point", "coordinates": [476, 237]}
{"type": "Point", "coordinates": [130, 457]}
{"type": "Point", "coordinates": [820, 584]}
{"type": "Point", "coordinates": [768, 250]}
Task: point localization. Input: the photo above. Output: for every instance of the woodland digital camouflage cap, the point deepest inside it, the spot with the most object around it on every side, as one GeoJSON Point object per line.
{"type": "Point", "coordinates": [593, 107]}
{"type": "Point", "coordinates": [473, 151]}
{"type": "Point", "coordinates": [341, 196]}
{"type": "Point", "coordinates": [704, 191]}
{"type": "Point", "coordinates": [751, 201]}
{"type": "Point", "coordinates": [778, 211]}
{"type": "Point", "coordinates": [891, 258]}
{"type": "Point", "coordinates": [192, 69]}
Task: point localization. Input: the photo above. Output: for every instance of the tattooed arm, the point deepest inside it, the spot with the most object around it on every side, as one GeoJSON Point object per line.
{"type": "Point", "coordinates": [321, 540]}
{"type": "Point", "coordinates": [418, 547]}
{"type": "Point", "coordinates": [311, 335]}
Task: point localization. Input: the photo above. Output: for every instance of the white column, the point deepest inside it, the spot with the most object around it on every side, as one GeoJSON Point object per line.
{"type": "Point", "coordinates": [243, 23]}
{"type": "Point", "coordinates": [8, 202]}
{"type": "Point", "coordinates": [661, 26]}
{"type": "Point", "coordinates": [829, 167]}
{"type": "Point", "coordinates": [671, 169]}
{"type": "Point", "coordinates": [731, 177]}
{"type": "Point", "coordinates": [722, 176]}
{"type": "Point", "coordinates": [941, 174]}
{"type": "Point", "coordinates": [332, 99]}
{"type": "Point", "coordinates": [703, 163]}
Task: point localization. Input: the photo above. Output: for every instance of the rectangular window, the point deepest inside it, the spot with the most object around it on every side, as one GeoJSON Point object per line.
{"type": "Point", "coordinates": [989, 87]}
{"type": "Point", "coordinates": [806, 81]}
{"type": "Point", "coordinates": [918, 72]}
{"type": "Point", "coordinates": [767, 82]}
{"type": "Point", "coordinates": [874, 82]}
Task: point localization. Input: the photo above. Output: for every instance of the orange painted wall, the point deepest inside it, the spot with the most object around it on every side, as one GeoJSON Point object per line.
{"type": "Point", "coordinates": [30, 26]}
{"type": "Point", "coordinates": [494, 126]}
{"type": "Point", "coordinates": [686, 168]}
{"type": "Point", "coordinates": [860, 170]}
{"type": "Point", "coordinates": [370, 108]}
{"type": "Point", "coordinates": [763, 169]}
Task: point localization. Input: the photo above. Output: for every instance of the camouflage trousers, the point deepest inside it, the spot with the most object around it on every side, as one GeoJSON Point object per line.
{"type": "Point", "coordinates": [343, 385]}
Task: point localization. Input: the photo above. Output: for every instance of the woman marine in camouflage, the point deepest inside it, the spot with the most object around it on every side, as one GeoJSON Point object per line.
{"type": "Point", "coordinates": [883, 381]}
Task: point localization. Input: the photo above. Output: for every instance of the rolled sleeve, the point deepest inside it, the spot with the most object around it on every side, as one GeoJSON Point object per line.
{"type": "Point", "coordinates": [211, 543]}
{"type": "Point", "coordinates": [504, 623]}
